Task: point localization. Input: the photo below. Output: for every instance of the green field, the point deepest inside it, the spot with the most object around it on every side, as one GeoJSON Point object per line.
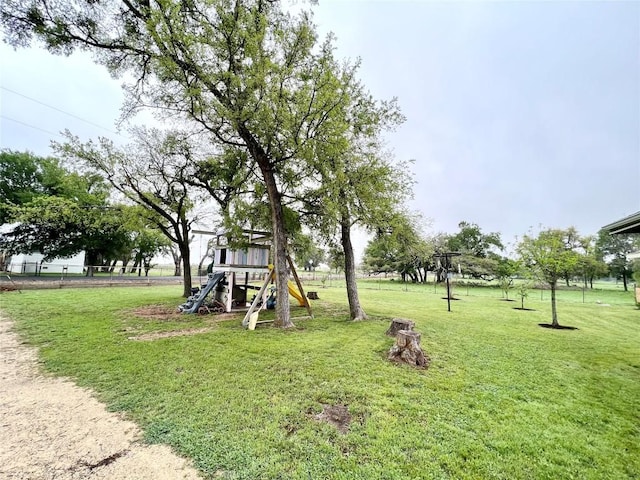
{"type": "Point", "coordinates": [503, 398]}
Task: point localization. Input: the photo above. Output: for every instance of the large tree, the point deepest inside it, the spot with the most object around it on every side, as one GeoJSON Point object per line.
{"type": "Point", "coordinates": [354, 181]}
{"type": "Point", "coordinates": [247, 71]}
{"type": "Point", "coordinates": [478, 250]}
{"type": "Point", "coordinates": [152, 172]}
{"type": "Point", "coordinates": [548, 256]}
{"type": "Point", "coordinates": [400, 247]}
{"type": "Point", "coordinates": [615, 250]}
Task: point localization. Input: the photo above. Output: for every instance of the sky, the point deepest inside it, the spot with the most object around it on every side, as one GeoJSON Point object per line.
{"type": "Point", "coordinates": [518, 114]}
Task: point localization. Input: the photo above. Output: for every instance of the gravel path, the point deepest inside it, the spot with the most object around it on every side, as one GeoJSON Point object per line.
{"type": "Point", "coordinates": [52, 429]}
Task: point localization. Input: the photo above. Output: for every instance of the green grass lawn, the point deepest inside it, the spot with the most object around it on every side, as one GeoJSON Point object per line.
{"type": "Point", "coordinates": [503, 398]}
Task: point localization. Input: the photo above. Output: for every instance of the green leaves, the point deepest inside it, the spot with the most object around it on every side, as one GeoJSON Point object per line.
{"type": "Point", "coordinates": [550, 254]}
{"type": "Point", "coordinates": [59, 227]}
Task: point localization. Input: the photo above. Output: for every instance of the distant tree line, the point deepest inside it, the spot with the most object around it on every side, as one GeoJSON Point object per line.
{"type": "Point", "coordinates": [403, 249]}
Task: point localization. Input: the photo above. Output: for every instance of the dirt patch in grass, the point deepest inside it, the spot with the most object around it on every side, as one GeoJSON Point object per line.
{"type": "Point", "coordinates": [168, 313]}
{"type": "Point", "coordinates": [146, 337]}
{"type": "Point", "coordinates": [157, 312]}
{"type": "Point", "coordinates": [336, 415]}
{"type": "Point", "coordinates": [557, 327]}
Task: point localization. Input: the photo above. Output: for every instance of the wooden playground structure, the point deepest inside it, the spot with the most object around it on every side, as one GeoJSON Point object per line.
{"type": "Point", "coordinates": [230, 275]}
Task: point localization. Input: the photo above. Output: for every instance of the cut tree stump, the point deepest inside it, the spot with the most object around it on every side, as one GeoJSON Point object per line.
{"type": "Point", "coordinates": [407, 350]}
{"type": "Point", "coordinates": [312, 295]}
{"type": "Point", "coordinates": [398, 324]}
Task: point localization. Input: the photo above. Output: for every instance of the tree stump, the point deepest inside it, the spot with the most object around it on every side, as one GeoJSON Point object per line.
{"type": "Point", "coordinates": [312, 295]}
{"type": "Point", "coordinates": [407, 350]}
{"type": "Point", "coordinates": [398, 324]}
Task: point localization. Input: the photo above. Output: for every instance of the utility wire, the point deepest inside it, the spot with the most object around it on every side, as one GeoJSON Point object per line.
{"type": "Point", "coordinates": [31, 126]}
{"type": "Point", "coordinates": [58, 110]}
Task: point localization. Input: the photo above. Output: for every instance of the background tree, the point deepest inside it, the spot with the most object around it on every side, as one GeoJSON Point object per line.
{"type": "Point", "coordinates": [25, 176]}
{"type": "Point", "coordinates": [308, 254]}
{"type": "Point", "coordinates": [439, 244]}
{"type": "Point", "coordinates": [615, 250]}
{"type": "Point", "coordinates": [151, 173]}
{"type": "Point", "coordinates": [335, 257]}
{"type": "Point", "coordinates": [61, 213]}
{"type": "Point", "coordinates": [399, 247]}
{"type": "Point", "coordinates": [478, 250]}
{"type": "Point", "coordinates": [147, 244]}
{"type": "Point", "coordinates": [522, 289]}
{"type": "Point", "coordinates": [590, 264]}
{"type": "Point", "coordinates": [20, 180]}
{"type": "Point", "coordinates": [548, 256]}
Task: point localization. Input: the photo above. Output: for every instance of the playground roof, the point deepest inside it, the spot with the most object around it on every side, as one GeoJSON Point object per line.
{"type": "Point", "coordinates": [630, 224]}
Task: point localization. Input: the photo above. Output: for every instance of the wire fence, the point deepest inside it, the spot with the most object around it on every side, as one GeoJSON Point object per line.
{"type": "Point", "coordinates": [74, 273]}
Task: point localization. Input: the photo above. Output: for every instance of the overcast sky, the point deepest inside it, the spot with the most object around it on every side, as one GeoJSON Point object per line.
{"type": "Point", "coordinates": [518, 114]}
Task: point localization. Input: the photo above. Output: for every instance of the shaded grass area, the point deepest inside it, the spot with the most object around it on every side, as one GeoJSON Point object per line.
{"type": "Point", "coordinates": [503, 398]}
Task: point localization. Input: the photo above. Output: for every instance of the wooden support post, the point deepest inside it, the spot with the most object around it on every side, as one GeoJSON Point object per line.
{"type": "Point", "coordinates": [231, 282]}
{"type": "Point", "coordinates": [259, 297]}
{"type": "Point", "coordinates": [299, 284]}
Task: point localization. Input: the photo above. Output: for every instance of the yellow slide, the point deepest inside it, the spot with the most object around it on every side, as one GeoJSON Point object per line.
{"type": "Point", "coordinates": [295, 293]}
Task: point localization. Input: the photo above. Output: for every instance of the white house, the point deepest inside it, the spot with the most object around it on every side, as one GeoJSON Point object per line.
{"type": "Point", "coordinates": [32, 263]}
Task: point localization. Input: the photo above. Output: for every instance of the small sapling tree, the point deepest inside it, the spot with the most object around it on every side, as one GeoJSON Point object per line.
{"type": "Point", "coordinates": [506, 271]}
{"type": "Point", "coordinates": [548, 256]}
{"type": "Point", "coordinates": [522, 289]}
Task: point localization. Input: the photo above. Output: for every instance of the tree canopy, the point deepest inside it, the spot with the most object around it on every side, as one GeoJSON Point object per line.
{"type": "Point", "coordinates": [615, 250]}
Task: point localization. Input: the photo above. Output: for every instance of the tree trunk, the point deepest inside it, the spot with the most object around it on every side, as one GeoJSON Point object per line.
{"type": "Point", "coordinates": [356, 311]}
{"type": "Point", "coordinates": [186, 268]}
{"type": "Point", "coordinates": [283, 314]}
{"type": "Point", "coordinates": [624, 281]}
{"type": "Point", "coordinates": [554, 312]}
{"type": "Point", "coordinates": [407, 350]}
{"type": "Point", "coordinates": [90, 260]}
{"type": "Point", "coordinates": [178, 259]}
